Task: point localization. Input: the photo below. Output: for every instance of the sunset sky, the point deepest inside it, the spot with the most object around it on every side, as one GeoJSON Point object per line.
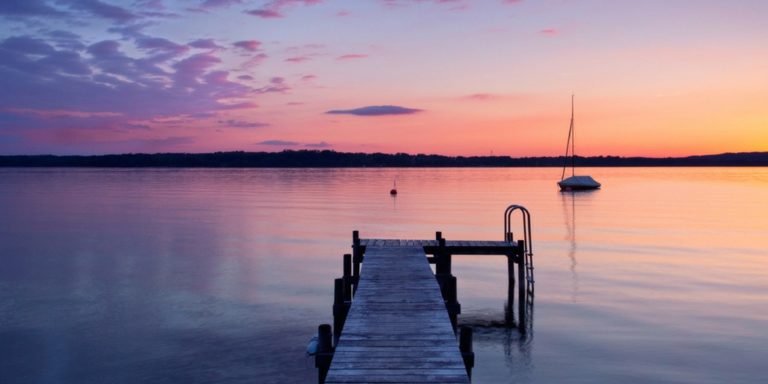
{"type": "Point", "coordinates": [454, 77]}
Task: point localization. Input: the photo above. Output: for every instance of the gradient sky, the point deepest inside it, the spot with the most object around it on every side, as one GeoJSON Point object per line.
{"type": "Point", "coordinates": [651, 78]}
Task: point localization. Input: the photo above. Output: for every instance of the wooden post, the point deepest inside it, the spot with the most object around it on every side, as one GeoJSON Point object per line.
{"type": "Point", "coordinates": [509, 311]}
{"type": "Point", "coordinates": [357, 258]}
{"type": "Point", "coordinates": [324, 353]}
{"type": "Point", "coordinates": [451, 299]}
{"type": "Point", "coordinates": [347, 261]}
{"type": "Point", "coordinates": [521, 284]}
{"type": "Point", "coordinates": [465, 346]}
{"type": "Point", "coordinates": [443, 259]}
{"type": "Point", "coordinates": [340, 309]}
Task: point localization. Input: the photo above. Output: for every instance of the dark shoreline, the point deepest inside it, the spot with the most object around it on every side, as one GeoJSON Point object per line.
{"type": "Point", "coordinates": [332, 159]}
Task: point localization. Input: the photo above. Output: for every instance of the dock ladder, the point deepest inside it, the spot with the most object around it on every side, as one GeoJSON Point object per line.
{"type": "Point", "coordinates": [528, 251]}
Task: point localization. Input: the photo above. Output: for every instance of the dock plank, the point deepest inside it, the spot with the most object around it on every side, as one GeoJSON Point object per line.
{"type": "Point", "coordinates": [397, 330]}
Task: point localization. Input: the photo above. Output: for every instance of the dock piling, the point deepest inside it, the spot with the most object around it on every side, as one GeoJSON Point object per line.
{"type": "Point", "coordinates": [340, 308]}
{"type": "Point", "coordinates": [324, 353]}
{"type": "Point", "coordinates": [465, 346]}
{"type": "Point", "coordinates": [348, 280]}
{"type": "Point", "coordinates": [357, 258]}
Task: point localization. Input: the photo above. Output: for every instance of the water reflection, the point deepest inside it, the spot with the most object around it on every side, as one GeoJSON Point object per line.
{"type": "Point", "coordinates": [192, 276]}
{"type": "Point", "coordinates": [569, 216]}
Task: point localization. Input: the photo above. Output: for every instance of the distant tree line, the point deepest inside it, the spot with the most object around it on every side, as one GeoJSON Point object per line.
{"type": "Point", "coordinates": [328, 159]}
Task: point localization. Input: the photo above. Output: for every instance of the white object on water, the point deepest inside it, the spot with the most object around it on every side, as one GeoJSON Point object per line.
{"type": "Point", "coordinates": [312, 347]}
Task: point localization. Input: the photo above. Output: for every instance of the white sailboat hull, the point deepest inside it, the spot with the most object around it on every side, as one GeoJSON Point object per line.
{"type": "Point", "coordinates": [578, 183]}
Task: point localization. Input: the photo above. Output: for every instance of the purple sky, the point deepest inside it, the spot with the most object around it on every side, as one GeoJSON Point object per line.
{"type": "Point", "coordinates": [437, 76]}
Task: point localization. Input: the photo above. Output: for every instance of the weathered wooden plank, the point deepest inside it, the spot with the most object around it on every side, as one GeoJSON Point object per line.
{"type": "Point", "coordinates": [397, 330]}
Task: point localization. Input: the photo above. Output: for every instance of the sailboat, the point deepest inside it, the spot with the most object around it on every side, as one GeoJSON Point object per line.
{"type": "Point", "coordinates": [574, 183]}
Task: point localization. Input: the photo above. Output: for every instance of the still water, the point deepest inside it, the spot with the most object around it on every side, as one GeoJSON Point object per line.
{"type": "Point", "coordinates": [222, 276]}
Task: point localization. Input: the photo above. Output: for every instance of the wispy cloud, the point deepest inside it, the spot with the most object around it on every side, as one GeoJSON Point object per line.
{"type": "Point", "coordinates": [205, 44]}
{"type": "Point", "coordinates": [242, 124]}
{"type": "Point", "coordinates": [506, 97]}
{"type": "Point", "coordinates": [455, 4]}
{"type": "Point", "coordinates": [375, 110]}
{"type": "Point", "coordinates": [482, 96]}
{"type": "Point", "coordinates": [298, 59]}
{"type": "Point", "coordinates": [59, 113]}
{"type": "Point", "coordinates": [209, 4]}
{"type": "Point", "coordinates": [280, 143]}
{"type": "Point", "coordinates": [276, 85]}
{"type": "Point", "coordinates": [275, 8]}
{"type": "Point", "coordinates": [104, 10]}
{"type": "Point", "coordinates": [550, 32]}
{"type": "Point", "coordinates": [321, 144]}
{"type": "Point", "coordinates": [352, 56]}
{"type": "Point", "coordinates": [248, 45]}
{"type": "Point", "coordinates": [29, 8]}
{"type": "Point", "coordinates": [264, 13]}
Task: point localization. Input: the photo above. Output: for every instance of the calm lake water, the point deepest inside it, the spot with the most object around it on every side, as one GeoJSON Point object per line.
{"type": "Point", "coordinates": [222, 276]}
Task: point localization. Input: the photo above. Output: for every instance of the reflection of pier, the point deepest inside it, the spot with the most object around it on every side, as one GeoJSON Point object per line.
{"type": "Point", "coordinates": [398, 321]}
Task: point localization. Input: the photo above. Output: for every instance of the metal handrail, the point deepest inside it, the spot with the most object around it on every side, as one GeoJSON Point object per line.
{"type": "Point", "coordinates": [528, 251]}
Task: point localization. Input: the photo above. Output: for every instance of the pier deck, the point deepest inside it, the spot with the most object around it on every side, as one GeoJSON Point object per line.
{"type": "Point", "coordinates": [396, 321]}
{"type": "Point", "coordinates": [397, 329]}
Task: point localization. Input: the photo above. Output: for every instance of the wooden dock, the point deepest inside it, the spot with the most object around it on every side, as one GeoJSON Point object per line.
{"type": "Point", "coordinates": [397, 329]}
{"type": "Point", "coordinates": [401, 324]}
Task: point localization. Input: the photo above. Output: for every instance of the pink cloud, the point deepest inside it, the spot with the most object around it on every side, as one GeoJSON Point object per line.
{"type": "Point", "coordinates": [512, 1]}
{"type": "Point", "coordinates": [255, 60]}
{"type": "Point", "coordinates": [238, 106]}
{"type": "Point", "coordinates": [352, 56]}
{"type": "Point", "coordinates": [549, 32]}
{"type": "Point", "coordinates": [298, 59]}
{"type": "Point", "coordinates": [265, 13]}
{"type": "Point", "coordinates": [276, 85]}
{"type": "Point", "coordinates": [482, 96]}
{"type": "Point", "coordinates": [248, 45]}
{"type": "Point", "coordinates": [274, 8]}
{"type": "Point", "coordinates": [308, 77]}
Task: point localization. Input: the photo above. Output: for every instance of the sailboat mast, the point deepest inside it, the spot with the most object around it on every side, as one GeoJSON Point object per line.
{"type": "Point", "coordinates": [573, 143]}
{"type": "Point", "coordinates": [569, 146]}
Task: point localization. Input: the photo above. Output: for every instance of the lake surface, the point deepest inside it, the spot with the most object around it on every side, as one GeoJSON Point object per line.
{"type": "Point", "coordinates": [222, 275]}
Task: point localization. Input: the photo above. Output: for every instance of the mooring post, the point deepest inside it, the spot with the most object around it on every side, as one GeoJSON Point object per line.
{"type": "Point", "coordinates": [357, 258]}
{"type": "Point", "coordinates": [340, 308]}
{"type": "Point", "coordinates": [324, 353]}
{"type": "Point", "coordinates": [521, 284]}
{"type": "Point", "coordinates": [450, 296]}
{"type": "Point", "coordinates": [347, 261]}
{"type": "Point", "coordinates": [465, 346]}
{"type": "Point", "coordinates": [509, 311]}
{"type": "Point", "coordinates": [443, 259]}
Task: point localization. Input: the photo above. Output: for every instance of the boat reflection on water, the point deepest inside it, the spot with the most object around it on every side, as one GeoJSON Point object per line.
{"type": "Point", "coordinates": [570, 225]}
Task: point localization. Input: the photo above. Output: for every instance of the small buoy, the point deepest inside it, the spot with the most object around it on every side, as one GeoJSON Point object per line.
{"type": "Point", "coordinates": [393, 192]}
{"type": "Point", "coordinates": [312, 347]}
